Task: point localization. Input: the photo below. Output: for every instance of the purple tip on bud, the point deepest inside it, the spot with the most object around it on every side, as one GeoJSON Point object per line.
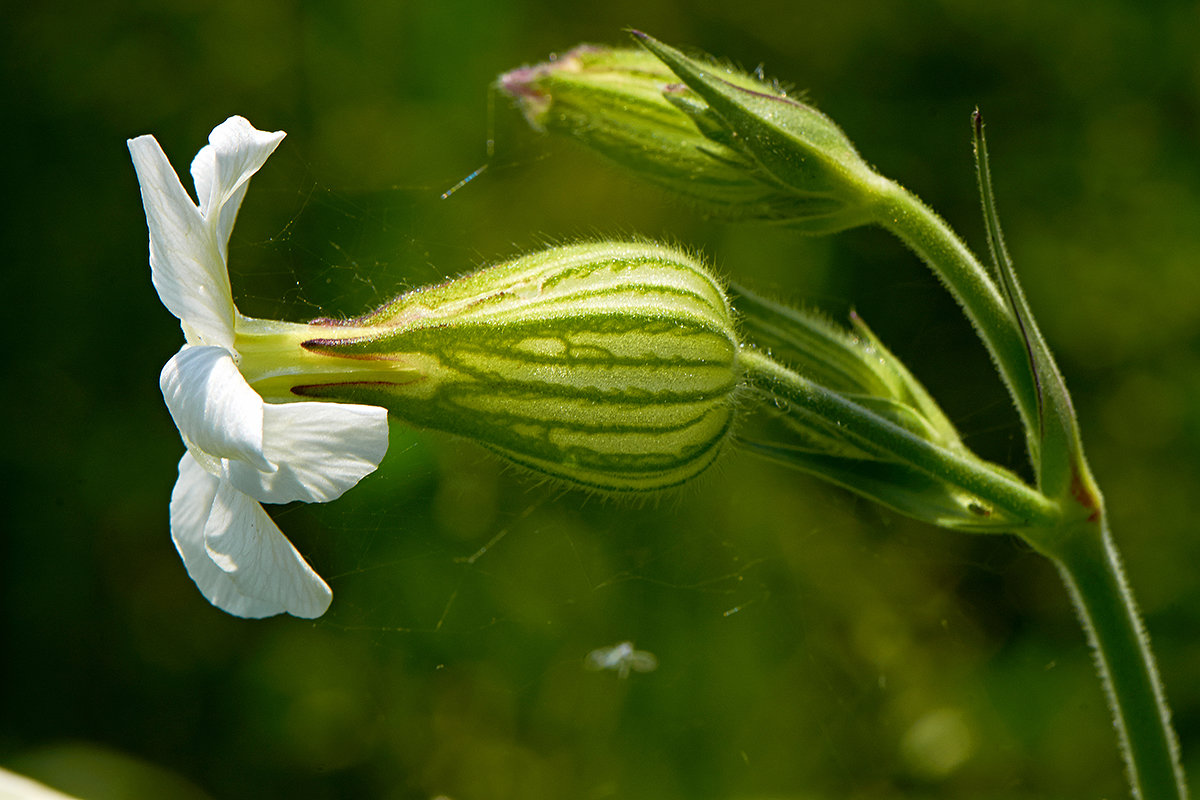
{"type": "Point", "coordinates": [526, 84]}
{"type": "Point", "coordinates": [521, 85]}
{"type": "Point", "coordinates": [518, 83]}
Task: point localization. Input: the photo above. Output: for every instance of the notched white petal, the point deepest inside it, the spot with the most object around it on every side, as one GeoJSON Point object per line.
{"type": "Point", "coordinates": [191, 506]}
{"type": "Point", "coordinates": [214, 408]}
{"type": "Point", "coordinates": [262, 565]}
{"type": "Point", "coordinates": [186, 265]}
{"type": "Point", "coordinates": [320, 450]}
{"type": "Point", "coordinates": [221, 170]}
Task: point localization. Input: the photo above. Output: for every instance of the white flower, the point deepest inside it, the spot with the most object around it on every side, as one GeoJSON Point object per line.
{"type": "Point", "coordinates": [242, 451]}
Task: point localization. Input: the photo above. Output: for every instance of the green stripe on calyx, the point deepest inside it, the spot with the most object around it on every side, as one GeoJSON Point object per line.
{"type": "Point", "coordinates": [609, 365]}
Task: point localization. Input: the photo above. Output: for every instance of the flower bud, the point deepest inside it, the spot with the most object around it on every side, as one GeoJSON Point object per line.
{"type": "Point", "coordinates": [624, 104]}
{"type": "Point", "coordinates": [735, 145]}
{"type": "Point", "coordinates": [607, 365]}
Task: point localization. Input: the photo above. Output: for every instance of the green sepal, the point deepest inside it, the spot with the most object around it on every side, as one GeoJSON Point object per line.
{"type": "Point", "coordinates": [910, 393]}
{"type": "Point", "coordinates": [798, 146]}
{"type": "Point", "coordinates": [898, 486]}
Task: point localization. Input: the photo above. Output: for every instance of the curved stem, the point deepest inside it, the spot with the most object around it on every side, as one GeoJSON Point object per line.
{"type": "Point", "coordinates": [903, 213]}
{"type": "Point", "coordinates": [1088, 561]}
{"type": "Point", "coordinates": [860, 424]}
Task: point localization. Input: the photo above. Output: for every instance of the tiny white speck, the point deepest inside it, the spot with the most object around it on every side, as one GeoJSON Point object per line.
{"type": "Point", "coordinates": [621, 657]}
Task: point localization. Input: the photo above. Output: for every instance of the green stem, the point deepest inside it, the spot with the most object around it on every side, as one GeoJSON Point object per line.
{"type": "Point", "coordinates": [1091, 568]}
{"type": "Point", "coordinates": [903, 213]}
{"type": "Point", "coordinates": [860, 424]}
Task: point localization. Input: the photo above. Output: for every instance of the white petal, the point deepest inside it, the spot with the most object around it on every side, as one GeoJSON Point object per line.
{"type": "Point", "coordinates": [214, 408]}
{"type": "Point", "coordinates": [235, 554]}
{"type": "Point", "coordinates": [18, 787]}
{"type": "Point", "coordinates": [221, 171]}
{"type": "Point", "coordinates": [320, 450]}
{"type": "Point", "coordinates": [264, 566]}
{"type": "Point", "coordinates": [191, 507]}
{"type": "Point", "coordinates": [186, 264]}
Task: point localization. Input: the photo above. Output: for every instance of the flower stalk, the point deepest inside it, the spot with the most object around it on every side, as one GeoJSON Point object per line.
{"type": "Point", "coordinates": [1090, 566]}
{"type": "Point", "coordinates": [935, 243]}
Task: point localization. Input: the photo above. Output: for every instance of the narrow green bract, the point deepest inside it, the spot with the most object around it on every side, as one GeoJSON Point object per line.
{"type": "Point", "coordinates": [607, 365]}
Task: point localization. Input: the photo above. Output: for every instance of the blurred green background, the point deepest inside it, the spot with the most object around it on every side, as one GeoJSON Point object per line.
{"type": "Point", "coordinates": [810, 645]}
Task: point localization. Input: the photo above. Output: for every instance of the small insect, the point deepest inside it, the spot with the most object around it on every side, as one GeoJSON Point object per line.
{"type": "Point", "coordinates": [621, 657]}
{"type": "Point", "coordinates": [978, 509]}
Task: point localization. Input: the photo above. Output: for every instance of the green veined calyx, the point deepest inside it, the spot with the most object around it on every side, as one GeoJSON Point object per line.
{"type": "Point", "coordinates": [610, 365]}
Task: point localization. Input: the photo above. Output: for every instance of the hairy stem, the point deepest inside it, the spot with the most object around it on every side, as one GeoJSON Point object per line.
{"type": "Point", "coordinates": [1091, 568]}
{"type": "Point", "coordinates": [903, 213]}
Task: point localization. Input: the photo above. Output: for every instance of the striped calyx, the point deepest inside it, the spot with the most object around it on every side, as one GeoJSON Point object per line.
{"type": "Point", "coordinates": [610, 365]}
{"type": "Point", "coordinates": [626, 105]}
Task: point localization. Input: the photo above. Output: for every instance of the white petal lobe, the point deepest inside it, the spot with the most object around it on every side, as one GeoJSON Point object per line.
{"type": "Point", "coordinates": [222, 170]}
{"type": "Point", "coordinates": [320, 449]}
{"type": "Point", "coordinates": [186, 266]}
{"type": "Point", "coordinates": [214, 408]}
{"type": "Point", "coordinates": [263, 566]}
{"type": "Point", "coordinates": [191, 506]}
